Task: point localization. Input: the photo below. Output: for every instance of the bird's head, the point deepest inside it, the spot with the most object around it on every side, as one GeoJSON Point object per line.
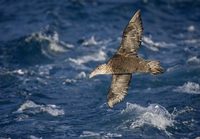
{"type": "Point", "coordinates": [102, 69]}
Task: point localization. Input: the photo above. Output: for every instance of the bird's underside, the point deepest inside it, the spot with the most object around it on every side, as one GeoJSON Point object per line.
{"type": "Point", "coordinates": [125, 62]}
{"type": "Point", "coordinates": [118, 88]}
{"type": "Point", "coordinates": [122, 74]}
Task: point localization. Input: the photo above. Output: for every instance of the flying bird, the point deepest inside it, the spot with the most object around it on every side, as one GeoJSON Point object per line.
{"type": "Point", "coordinates": [126, 61]}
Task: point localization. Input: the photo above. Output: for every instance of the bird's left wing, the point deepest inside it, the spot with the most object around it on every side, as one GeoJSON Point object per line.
{"type": "Point", "coordinates": [132, 36]}
{"type": "Point", "coordinates": [118, 88]}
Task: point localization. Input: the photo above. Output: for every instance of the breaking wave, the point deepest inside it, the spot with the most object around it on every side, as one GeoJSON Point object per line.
{"type": "Point", "coordinates": [189, 87]}
{"type": "Point", "coordinates": [40, 47]}
{"type": "Point", "coordinates": [79, 76]}
{"type": "Point", "coordinates": [18, 72]}
{"type": "Point", "coordinates": [92, 42]}
{"type": "Point", "coordinates": [193, 60]}
{"type": "Point", "coordinates": [34, 137]}
{"type": "Point", "coordinates": [154, 46]}
{"type": "Point", "coordinates": [100, 56]}
{"type": "Point", "coordinates": [154, 115]}
{"type": "Point", "coordinates": [32, 107]}
{"type": "Point", "coordinates": [54, 44]}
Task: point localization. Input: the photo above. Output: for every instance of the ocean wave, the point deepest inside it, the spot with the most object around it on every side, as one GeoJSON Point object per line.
{"type": "Point", "coordinates": [90, 134]}
{"type": "Point", "coordinates": [191, 28]}
{"type": "Point", "coordinates": [17, 72]}
{"type": "Point", "coordinates": [154, 46]}
{"type": "Point", "coordinates": [193, 60]}
{"type": "Point", "coordinates": [44, 69]}
{"type": "Point", "coordinates": [154, 115]}
{"type": "Point", "coordinates": [36, 108]}
{"type": "Point", "coordinates": [189, 87]}
{"type": "Point", "coordinates": [92, 42]}
{"type": "Point", "coordinates": [173, 68]}
{"type": "Point", "coordinates": [20, 71]}
{"type": "Point", "coordinates": [192, 41]}
{"type": "Point", "coordinates": [21, 117]}
{"type": "Point", "coordinates": [54, 43]}
{"type": "Point", "coordinates": [37, 48]}
{"type": "Point", "coordinates": [186, 109]}
{"type": "Point", "coordinates": [69, 81]}
{"type": "Point", "coordinates": [34, 137]}
{"type": "Point", "coordinates": [81, 75]}
{"type": "Point", "coordinates": [99, 56]}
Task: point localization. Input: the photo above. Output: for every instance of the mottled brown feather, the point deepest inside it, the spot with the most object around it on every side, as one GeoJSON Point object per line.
{"type": "Point", "coordinates": [131, 40]}
{"type": "Point", "coordinates": [126, 61]}
{"type": "Point", "coordinates": [132, 36]}
{"type": "Point", "coordinates": [118, 89]}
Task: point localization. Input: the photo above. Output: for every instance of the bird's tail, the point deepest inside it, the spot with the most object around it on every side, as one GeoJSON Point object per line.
{"type": "Point", "coordinates": [155, 68]}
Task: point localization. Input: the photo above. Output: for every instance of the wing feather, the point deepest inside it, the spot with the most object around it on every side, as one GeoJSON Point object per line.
{"type": "Point", "coordinates": [118, 89]}
{"type": "Point", "coordinates": [132, 36]}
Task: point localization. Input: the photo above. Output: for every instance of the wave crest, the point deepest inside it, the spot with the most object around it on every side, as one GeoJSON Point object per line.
{"type": "Point", "coordinates": [189, 87]}
{"type": "Point", "coordinates": [193, 60]}
{"type": "Point", "coordinates": [36, 108]}
{"type": "Point", "coordinates": [99, 56]}
{"type": "Point", "coordinates": [52, 39]}
{"type": "Point", "coordinates": [93, 42]}
{"type": "Point", "coordinates": [38, 48]}
{"type": "Point", "coordinates": [154, 115]}
{"type": "Point", "coordinates": [154, 46]}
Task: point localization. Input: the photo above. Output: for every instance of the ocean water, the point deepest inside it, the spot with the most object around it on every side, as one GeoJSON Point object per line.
{"type": "Point", "coordinates": [48, 49]}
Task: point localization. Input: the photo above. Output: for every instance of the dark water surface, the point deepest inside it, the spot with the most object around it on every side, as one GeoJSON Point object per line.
{"type": "Point", "coordinates": [48, 48]}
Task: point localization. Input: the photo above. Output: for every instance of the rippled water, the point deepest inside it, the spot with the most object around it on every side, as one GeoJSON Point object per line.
{"type": "Point", "coordinates": [48, 48]}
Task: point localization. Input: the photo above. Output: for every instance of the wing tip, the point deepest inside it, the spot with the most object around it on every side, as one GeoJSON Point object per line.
{"type": "Point", "coordinates": [138, 12]}
{"type": "Point", "coordinates": [110, 104]}
{"type": "Point", "coordinates": [136, 16]}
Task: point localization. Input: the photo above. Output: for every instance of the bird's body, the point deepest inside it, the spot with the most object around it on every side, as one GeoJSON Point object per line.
{"type": "Point", "coordinates": [126, 61]}
{"type": "Point", "coordinates": [127, 64]}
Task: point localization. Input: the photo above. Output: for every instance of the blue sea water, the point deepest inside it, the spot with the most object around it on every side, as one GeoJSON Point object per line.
{"type": "Point", "coordinates": [48, 49]}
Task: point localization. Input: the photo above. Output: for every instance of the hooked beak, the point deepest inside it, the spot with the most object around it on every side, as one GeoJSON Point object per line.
{"type": "Point", "coordinates": [92, 74]}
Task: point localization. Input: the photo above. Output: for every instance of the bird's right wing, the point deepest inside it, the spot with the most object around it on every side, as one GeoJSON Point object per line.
{"type": "Point", "coordinates": [118, 89]}
{"type": "Point", "coordinates": [132, 36]}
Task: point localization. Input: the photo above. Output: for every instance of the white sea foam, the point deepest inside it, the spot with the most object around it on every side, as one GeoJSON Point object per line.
{"type": "Point", "coordinates": [174, 68]}
{"type": "Point", "coordinates": [187, 109]}
{"type": "Point", "coordinates": [54, 43]}
{"type": "Point", "coordinates": [154, 115]}
{"type": "Point", "coordinates": [20, 71]}
{"type": "Point", "coordinates": [17, 71]}
{"type": "Point", "coordinates": [154, 46]}
{"type": "Point", "coordinates": [191, 28]}
{"type": "Point", "coordinates": [21, 117]}
{"type": "Point", "coordinates": [45, 69]}
{"type": "Point", "coordinates": [100, 56]}
{"type": "Point", "coordinates": [89, 134]}
{"type": "Point", "coordinates": [81, 75]}
{"type": "Point", "coordinates": [193, 60]}
{"type": "Point", "coordinates": [101, 135]}
{"type": "Point", "coordinates": [92, 41]}
{"type": "Point", "coordinates": [189, 87]}
{"type": "Point", "coordinates": [36, 108]}
{"type": "Point", "coordinates": [69, 81]}
{"type": "Point", "coordinates": [34, 137]}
